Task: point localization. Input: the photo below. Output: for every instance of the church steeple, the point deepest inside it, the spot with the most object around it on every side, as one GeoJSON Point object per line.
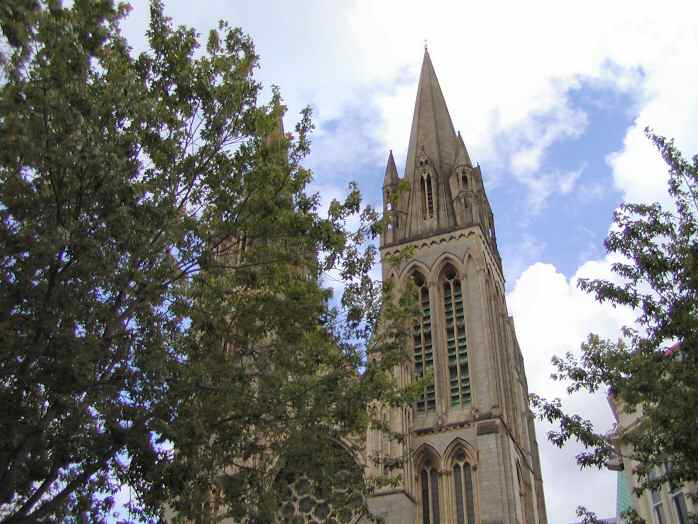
{"type": "Point", "coordinates": [444, 190]}
{"type": "Point", "coordinates": [469, 452]}
{"type": "Point", "coordinates": [432, 129]}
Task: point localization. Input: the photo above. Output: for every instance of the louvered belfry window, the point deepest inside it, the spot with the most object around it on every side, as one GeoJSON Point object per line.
{"type": "Point", "coordinates": [456, 343]}
{"type": "Point", "coordinates": [423, 347]}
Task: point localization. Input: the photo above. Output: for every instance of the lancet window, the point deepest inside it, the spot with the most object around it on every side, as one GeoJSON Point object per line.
{"type": "Point", "coordinates": [463, 489]}
{"type": "Point", "coordinates": [429, 489]}
{"type": "Point", "coordinates": [462, 174]}
{"type": "Point", "coordinates": [423, 346]}
{"type": "Point", "coordinates": [456, 342]}
{"type": "Point", "coordinates": [427, 197]}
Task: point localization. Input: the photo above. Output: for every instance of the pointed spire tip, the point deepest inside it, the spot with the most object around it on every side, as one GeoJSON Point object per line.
{"type": "Point", "coordinates": [391, 176]}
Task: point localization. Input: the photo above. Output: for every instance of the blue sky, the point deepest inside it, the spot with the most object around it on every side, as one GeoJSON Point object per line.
{"type": "Point", "coordinates": [571, 225]}
{"type": "Point", "coordinates": [551, 99]}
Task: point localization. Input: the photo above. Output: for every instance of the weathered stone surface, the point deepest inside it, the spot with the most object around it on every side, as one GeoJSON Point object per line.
{"type": "Point", "coordinates": [445, 218]}
{"type": "Point", "coordinates": [485, 428]}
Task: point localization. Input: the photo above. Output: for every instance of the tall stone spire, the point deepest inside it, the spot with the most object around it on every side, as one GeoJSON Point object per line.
{"type": "Point", "coordinates": [432, 155]}
{"type": "Point", "coordinates": [432, 129]}
{"type": "Point", "coordinates": [444, 190]}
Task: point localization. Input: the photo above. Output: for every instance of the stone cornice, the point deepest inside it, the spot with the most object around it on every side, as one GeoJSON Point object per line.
{"type": "Point", "coordinates": [448, 236]}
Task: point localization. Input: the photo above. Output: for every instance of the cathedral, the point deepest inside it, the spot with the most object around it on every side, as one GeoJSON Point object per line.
{"type": "Point", "coordinates": [470, 454]}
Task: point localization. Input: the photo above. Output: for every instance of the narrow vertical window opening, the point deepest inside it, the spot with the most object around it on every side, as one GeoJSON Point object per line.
{"type": "Point", "coordinates": [463, 490]}
{"type": "Point", "coordinates": [680, 506]}
{"type": "Point", "coordinates": [456, 342]}
{"type": "Point", "coordinates": [424, 481]}
{"type": "Point", "coordinates": [434, 495]}
{"type": "Point", "coordinates": [429, 480]}
{"type": "Point", "coordinates": [430, 198]}
{"type": "Point", "coordinates": [457, 478]}
{"type": "Point", "coordinates": [469, 493]}
{"type": "Point", "coordinates": [423, 347]}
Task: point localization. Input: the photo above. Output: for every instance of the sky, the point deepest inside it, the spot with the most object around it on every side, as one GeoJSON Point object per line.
{"type": "Point", "coordinates": [551, 99]}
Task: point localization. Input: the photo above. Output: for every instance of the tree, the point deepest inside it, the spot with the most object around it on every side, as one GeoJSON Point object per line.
{"type": "Point", "coordinates": [653, 365]}
{"type": "Point", "coordinates": [162, 324]}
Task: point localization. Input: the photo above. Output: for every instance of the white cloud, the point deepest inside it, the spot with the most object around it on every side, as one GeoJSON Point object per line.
{"type": "Point", "coordinates": [552, 316]}
{"type": "Point", "coordinates": [638, 170]}
{"type": "Point", "coordinates": [541, 186]}
{"type": "Point", "coordinates": [527, 250]}
{"type": "Point", "coordinates": [502, 65]}
{"type": "Point", "coordinates": [669, 106]}
{"type": "Point", "coordinates": [566, 181]}
{"type": "Point", "coordinates": [534, 138]}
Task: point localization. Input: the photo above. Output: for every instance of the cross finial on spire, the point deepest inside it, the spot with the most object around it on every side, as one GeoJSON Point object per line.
{"type": "Point", "coordinates": [426, 45]}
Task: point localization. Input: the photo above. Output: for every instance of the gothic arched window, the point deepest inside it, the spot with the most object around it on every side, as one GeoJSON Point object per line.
{"type": "Point", "coordinates": [429, 489]}
{"type": "Point", "coordinates": [456, 343]}
{"type": "Point", "coordinates": [463, 489]}
{"type": "Point", "coordinates": [463, 179]}
{"type": "Point", "coordinates": [423, 346]}
{"type": "Point", "coordinates": [430, 198]}
{"type": "Point", "coordinates": [427, 197]}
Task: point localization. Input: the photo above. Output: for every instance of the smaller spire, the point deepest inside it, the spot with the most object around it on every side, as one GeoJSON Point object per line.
{"type": "Point", "coordinates": [462, 157]}
{"type": "Point", "coordinates": [391, 177]}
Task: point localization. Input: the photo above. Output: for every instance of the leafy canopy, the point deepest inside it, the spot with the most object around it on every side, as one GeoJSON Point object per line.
{"type": "Point", "coordinates": [652, 368]}
{"type": "Point", "coordinates": [161, 320]}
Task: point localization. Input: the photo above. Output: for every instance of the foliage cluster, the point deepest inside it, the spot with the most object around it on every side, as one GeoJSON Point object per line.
{"type": "Point", "coordinates": [162, 325]}
{"type": "Point", "coordinates": [652, 368]}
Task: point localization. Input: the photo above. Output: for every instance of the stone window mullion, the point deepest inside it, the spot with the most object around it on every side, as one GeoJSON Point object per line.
{"type": "Point", "coordinates": [424, 347]}
{"type": "Point", "coordinates": [456, 346]}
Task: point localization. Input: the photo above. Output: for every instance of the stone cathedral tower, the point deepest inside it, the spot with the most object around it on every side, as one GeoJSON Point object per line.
{"type": "Point", "coordinates": [470, 451]}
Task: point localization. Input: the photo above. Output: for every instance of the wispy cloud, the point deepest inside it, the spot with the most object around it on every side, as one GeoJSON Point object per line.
{"type": "Point", "coordinates": [553, 316]}
{"type": "Point", "coordinates": [532, 139]}
{"type": "Point", "coordinates": [541, 186]}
